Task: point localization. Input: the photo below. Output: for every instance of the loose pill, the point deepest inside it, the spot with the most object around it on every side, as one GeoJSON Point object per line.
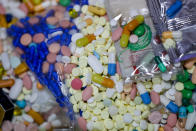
{"type": "Point", "coordinates": [6, 83]}
{"type": "Point", "coordinates": [36, 116]}
{"type": "Point", "coordinates": [133, 39]}
{"type": "Point", "coordinates": [97, 10]}
{"type": "Point", "coordinates": [76, 84]}
{"type": "Point", "coordinates": [16, 89]}
{"type": "Point", "coordinates": [106, 82]}
{"type": "Point", "coordinates": [38, 38]}
{"type": "Point", "coordinates": [45, 67]}
{"type": "Point", "coordinates": [87, 93]}
{"type": "Point", "coordinates": [116, 34]}
{"type": "Point", "coordinates": [65, 51]}
{"type": "Point", "coordinates": [51, 58]}
{"type": "Point", "coordinates": [82, 123]}
{"type": "Point", "coordinates": [54, 48]}
{"type": "Point", "coordinates": [26, 39]}
{"type": "Point", "coordinates": [95, 64]}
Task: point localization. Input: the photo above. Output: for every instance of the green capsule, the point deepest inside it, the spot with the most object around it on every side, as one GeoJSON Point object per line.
{"type": "Point", "coordinates": [187, 94]}
{"type": "Point", "coordinates": [124, 40]}
{"type": "Point", "coordinates": [65, 2]}
{"type": "Point", "coordinates": [160, 64]}
{"type": "Point", "coordinates": [183, 76]}
{"type": "Point", "coordinates": [185, 102]}
{"type": "Point", "coordinates": [82, 42]}
{"type": "Point", "coordinates": [139, 31]}
{"type": "Point", "coordinates": [189, 85]}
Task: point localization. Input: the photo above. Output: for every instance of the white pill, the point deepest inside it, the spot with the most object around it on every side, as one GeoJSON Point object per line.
{"type": "Point", "coordinates": [36, 107]}
{"type": "Point", "coordinates": [76, 8]}
{"type": "Point", "coordinates": [72, 47]}
{"type": "Point", "coordinates": [110, 92]}
{"type": "Point", "coordinates": [17, 13]}
{"type": "Point", "coordinates": [76, 36]}
{"type": "Point", "coordinates": [143, 124]}
{"type": "Point", "coordinates": [90, 100]}
{"type": "Point", "coordinates": [58, 58]}
{"type": "Point", "coordinates": [157, 88]}
{"type": "Point", "coordinates": [99, 31]}
{"type": "Point", "coordinates": [52, 117]}
{"type": "Point", "coordinates": [5, 60]}
{"type": "Point", "coordinates": [66, 59]}
{"type": "Point", "coordinates": [88, 78]}
{"type": "Point", "coordinates": [137, 112]}
{"type": "Point", "coordinates": [27, 118]}
{"type": "Point", "coordinates": [16, 89]}
{"type": "Point", "coordinates": [119, 86]}
{"type": "Point", "coordinates": [43, 125]}
{"type": "Point", "coordinates": [33, 97]}
{"type": "Point", "coordinates": [127, 118]}
{"type": "Point", "coordinates": [56, 123]}
{"type": "Point", "coordinates": [166, 76]}
{"type": "Point", "coordinates": [113, 110]}
{"type": "Point", "coordinates": [95, 64]}
{"type": "Point", "coordinates": [89, 125]}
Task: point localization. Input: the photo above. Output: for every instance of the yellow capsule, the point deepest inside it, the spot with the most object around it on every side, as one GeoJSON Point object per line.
{"type": "Point", "coordinates": [36, 116]}
{"type": "Point", "coordinates": [85, 40]}
{"type": "Point", "coordinates": [73, 13]}
{"type": "Point", "coordinates": [124, 40]}
{"type": "Point", "coordinates": [21, 68]}
{"type": "Point", "coordinates": [97, 10]}
{"type": "Point", "coordinates": [3, 22]}
{"type": "Point", "coordinates": [106, 82]}
{"type": "Point", "coordinates": [17, 111]}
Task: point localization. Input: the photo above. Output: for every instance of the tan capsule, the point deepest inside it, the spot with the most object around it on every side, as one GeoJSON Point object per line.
{"type": "Point", "coordinates": [21, 68]}
{"type": "Point", "coordinates": [194, 76]}
{"type": "Point", "coordinates": [178, 99]}
{"type": "Point", "coordinates": [36, 116]}
{"type": "Point", "coordinates": [6, 83]}
{"type": "Point", "coordinates": [182, 122]}
{"type": "Point", "coordinates": [123, 96]}
{"type": "Point", "coordinates": [97, 10]}
{"type": "Point", "coordinates": [189, 63]}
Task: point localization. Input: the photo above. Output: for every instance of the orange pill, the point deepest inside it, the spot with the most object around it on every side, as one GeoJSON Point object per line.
{"type": "Point", "coordinates": [36, 116]}
{"type": "Point", "coordinates": [90, 38]}
{"type": "Point", "coordinates": [26, 123]}
{"type": "Point", "coordinates": [132, 25]}
{"type": "Point", "coordinates": [89, 21]}
{"type": "Point", "coordinates": [39, 86]}
{"type": "Point", "coordinates": [167, 35]}
{"type": "Point", "coordinates": [29, 5]}
{"type": "Point", "coordinates": [6, 83]}
{"type": "Point", "coordinates": [21, 68]}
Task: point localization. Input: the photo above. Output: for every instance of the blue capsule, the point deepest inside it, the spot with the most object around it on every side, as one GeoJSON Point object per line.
{"type": "Point", "coordinates": [174, 8]}
{"type": "Point", "coordinates": [53, 39]}
{"type": "Point", "coordinates": [21, 104]}
{"type": "Point", "coordinates": [84, 2]}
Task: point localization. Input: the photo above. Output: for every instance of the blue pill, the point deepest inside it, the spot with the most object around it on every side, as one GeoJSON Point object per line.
{"type": "Point", "coordinates": [174, 8]}
{"type": "Point", "coordinates": [21, 104]}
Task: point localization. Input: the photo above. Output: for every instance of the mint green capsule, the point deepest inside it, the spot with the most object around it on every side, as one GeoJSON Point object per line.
{"type": "Point", "coordinates": [160, 64]}
{"type": "Point", "coordinates": [139, 31]}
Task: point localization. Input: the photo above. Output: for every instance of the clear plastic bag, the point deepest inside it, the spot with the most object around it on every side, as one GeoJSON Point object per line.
{"type": "Point", "coordinates": [182, 19]}
{"type": "Point", "coordinates": [137, 60]}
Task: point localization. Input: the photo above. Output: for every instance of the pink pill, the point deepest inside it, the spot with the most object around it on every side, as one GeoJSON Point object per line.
{"type": "Point", "coordinates": [19, 127]}
{"type": "Point", "coordinates": [65, 51]}
{"type": "Point", "coordinates": [117, 34]}
{"type": "Point", "coordinates": [64, 23]}
{"type": "Point", "coordinates": [38, 38]}
{"type": "Point", "coordinates": [82, 123]}
{"type": "Point", "coordinates": [59, 67]}
{"type": "Point", "coordinates": [7, 126]}
{"type": "Point", "coordinates": [76, 84]}
{"type": "Point", "coordinates": [51, 58]}
{"type": "Point", "coordinates": [59, 8]}
{"type": "Point", "coordinates": [52, 20]}
{"type": "Point", "coordinates": [133, 92]}
{"type": "Point", "coordinates": [19, 51]}
{"type": "Point", "coordinates": [33, 20]}
{"type": "Point", "coordinates": [26, 39]}
{"type": "Point", "coordinates": [172, 120]}
{"type": "Point", "coordinates": [45, 67]}
{"type": "Point", "coordinates": [155, 117]}
{"type": "Point", "coordinates": [27, 82]}
{"type": "Point", "coordinates": [24, 8]}
{"type": "Point", "coordinates": [2, 10]}
{"type": "Point", "coordinates": [59, 15]}
{"type": "Point", "coordinates": [19, 24]}
{"type": "Point", "coordinates": [118, 68]}
{"type": "Point", "coordinates": [167, 128]}
{"type": "Point", "coordinates": [32, 127]}
{"type": "Point", "coordinates": [87, 93]}
{"type": "Point", "coordinates": [54, 48]}
{"type": "Point", "coordinates": [27, 108]}
{"type": "Point", "coordinates": [133, 39]}
{"type": "Point", "coordinates": [155, 97]}
{"type": "Point", "coordinates": [68, 68]}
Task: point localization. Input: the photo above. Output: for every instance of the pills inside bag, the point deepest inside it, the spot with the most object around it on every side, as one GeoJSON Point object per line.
{"type": "Point", "coordinates": [96, 65]}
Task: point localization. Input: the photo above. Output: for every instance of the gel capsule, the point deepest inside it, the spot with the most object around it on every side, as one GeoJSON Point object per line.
{"type": "Point", "coordinates": [6, 83]}
{"type": "Point", "coordinates": [174, 8]}
{"type": "Point", "coordinates": [131, 26]}
{"type": "Point", "coordinates": [172, 35]}
{"type": "Point", "coordinates": [106, 82]}
{"type": "Point", "coordinates": [85, 40]}
{"type": "Point", "coordinates": [143, 93]}
{"type": "Point", "coordinates": [169, 104]}
{"type": "Point", "coordinates": [112, 64]}
{"type": "Point", "coordinates": [97, 10]}
{"type": "Point", "coordinates": [160, 64]}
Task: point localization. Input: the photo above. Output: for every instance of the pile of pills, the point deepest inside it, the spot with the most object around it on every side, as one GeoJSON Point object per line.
{"type": "Point", "coordinates": [70, 50]}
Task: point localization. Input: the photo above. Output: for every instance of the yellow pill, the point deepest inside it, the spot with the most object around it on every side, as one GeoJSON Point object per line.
{"type": "Point", "coordinates": [21, 69]}
{"type": "Point", "coordinates": [179, 86]}
{"type": "Point", "coordinates": [124, 40]}
{"type": "Point", "coordinates": [36, 116]}
{"type": "Point", "coordinates": [73, 13]}
{"type": "Point", "coordinates": [17, 111]}
{"type": "Point", "coordinates": [97, 10]}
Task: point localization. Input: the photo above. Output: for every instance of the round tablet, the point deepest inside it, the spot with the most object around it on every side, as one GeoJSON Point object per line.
{"type": "Point", "coordinates": [59, 67]}
{"type": "Point", "coordinates": [33, 20]}
{"type": "Point", "coordinates": [68, 68]}
{"type": "Point", "coordinates": [52, 20]}
{"type": "Point", "coordinates": [51, 58]}
{"type": "Point", "coordinates": [64, 23]}
{"type": "Point", "coordinates": [45, 67]}
{"type": "Point", "coordinates": [65, 51]}
{"type": "Point", "coordinates": [38, 38]}
{"type": "Point", "coordinates": [133, 38]}
{"type": "Point", "coordinates": [76, 84]}
{"type": "Point", "coordinates": [26, 39]}
{"type": "Point", "coordinates": [54, 48]}
{"type": "Point", "coordinates": [59, 15]}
